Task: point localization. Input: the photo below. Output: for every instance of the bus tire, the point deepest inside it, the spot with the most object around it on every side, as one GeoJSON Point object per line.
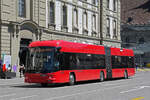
{"type": "Point", "coordinates": [101, 77]}
{"type": "Point", "coordinates": [125, 75]}
{"type": "Point", "coordinates": [71, 79]}
{"type": "Point", "coordinates": [44, 84]}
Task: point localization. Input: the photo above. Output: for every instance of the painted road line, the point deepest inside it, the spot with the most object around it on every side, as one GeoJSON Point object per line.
{"type": "Point", "coordinates": [7, 95]}
{"type": "Point", "coordinates": [26, 97]}
{"type": "Point", "coordinates": [87, 92]}
{"type": "Point", "coordinates": [139, 98]}
{"type": "Point", "coordinates": [93, 91]}
{"type": "Point", "coordinates": [137, 88]}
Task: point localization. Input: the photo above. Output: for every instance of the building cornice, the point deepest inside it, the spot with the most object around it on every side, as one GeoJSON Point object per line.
{"type": "Point", "coordinates": [71, 34]}
{"type": "Point", "coordinates": [112, 40]}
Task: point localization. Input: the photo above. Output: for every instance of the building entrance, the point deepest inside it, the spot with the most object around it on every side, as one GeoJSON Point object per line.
{"type": "Point", "coordinates": [24, 43]}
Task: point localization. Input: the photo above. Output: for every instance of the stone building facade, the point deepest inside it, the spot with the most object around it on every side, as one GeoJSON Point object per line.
{"type": "Point", "coordinates": [135, 28]}
{"type": "Point", "coordinates": [136, 37]}
{"type": "Point", "coordinates": [85, 21]}
{"type": "Point", "coordinates": [110, 23]}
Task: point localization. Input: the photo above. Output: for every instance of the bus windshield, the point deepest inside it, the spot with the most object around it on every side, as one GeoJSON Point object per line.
{"type": "Point", "coordinates": [40, 60]}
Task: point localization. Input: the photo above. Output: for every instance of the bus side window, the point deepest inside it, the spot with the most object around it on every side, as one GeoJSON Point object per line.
{"type": "Point", "coordinates": [64, 61]}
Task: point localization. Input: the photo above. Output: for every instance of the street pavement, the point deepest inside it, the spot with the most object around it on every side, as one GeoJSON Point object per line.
{"type": "Point", "coordinates": [134, 88]}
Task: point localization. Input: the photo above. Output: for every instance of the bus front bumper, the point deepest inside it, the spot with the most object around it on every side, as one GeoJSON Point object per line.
{"type": "Point", "coordinates": [39, 78]}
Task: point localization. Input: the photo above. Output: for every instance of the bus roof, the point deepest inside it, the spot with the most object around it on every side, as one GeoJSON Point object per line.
{"type": "Point", "coordinates": [73, 47]}
{"type": "Point", "coordinates": [122, 52]}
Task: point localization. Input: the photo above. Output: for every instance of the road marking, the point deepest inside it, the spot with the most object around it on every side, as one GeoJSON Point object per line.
{"type": "Point", "coordinates": [89, 92]}
{"type": "Point", "coordinates": [115, 84]}
{"type": "Point", "coordinates": [139, 98]}
{"type": "Point", "coordinates": [136, 88]}
{"type": "Point", "coordinates": [24, 97]}
{"type": "Point", "coordinates": [7, 95]}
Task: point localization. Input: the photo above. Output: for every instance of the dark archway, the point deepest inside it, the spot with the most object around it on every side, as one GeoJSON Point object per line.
{"type": "Point", "coordinates": [28, 32]}
{"type": "Point", "coordinates": [24, 43]}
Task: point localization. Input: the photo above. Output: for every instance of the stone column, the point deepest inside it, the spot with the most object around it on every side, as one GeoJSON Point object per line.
{"type": "Point", "coordinates": [15, 45]}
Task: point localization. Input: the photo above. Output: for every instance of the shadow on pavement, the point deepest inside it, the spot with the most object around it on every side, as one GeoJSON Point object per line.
{"type": "Point", "coordinates": [27, 85]}
{"type": "Point", "coordinates": [38, 86]}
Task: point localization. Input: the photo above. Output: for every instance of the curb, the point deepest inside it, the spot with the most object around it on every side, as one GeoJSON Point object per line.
{"type": "Point", "coordinates": [143, 69]}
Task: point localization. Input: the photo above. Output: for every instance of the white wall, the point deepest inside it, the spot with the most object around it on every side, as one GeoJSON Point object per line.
{"type": "Point", "coordinates": [111, 27]}
{"type": "Point", "coordinates": [97, 23]}
{"type": "Point", "coordinates": [111, 4]}
{"type": "Point", "coordinates": [80, 15]}
{"type": "Point", "coordinates": [58, 15]}
{"type": "Point", "coordinates": [69, 19]}
{"type": "Point", "coordinates": [89, 22]}
{"type": "Point", "coordinates": [46, 14]}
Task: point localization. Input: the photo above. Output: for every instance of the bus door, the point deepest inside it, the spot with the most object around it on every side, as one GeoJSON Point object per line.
{"type": "Point", "coordinates": [108, 62]}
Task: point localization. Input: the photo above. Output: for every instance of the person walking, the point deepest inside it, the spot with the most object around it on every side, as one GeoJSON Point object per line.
{"type": "Point", "coordinates": [21, 70]}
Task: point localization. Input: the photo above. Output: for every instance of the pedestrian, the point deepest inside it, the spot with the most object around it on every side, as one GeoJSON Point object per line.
{"type": "Point", "coordinates": [21, 70]}
{"type": "Point", "coordinates": [4, 68]}
{"type": "Point", "coordinates": [9, 68]}
{"type": "Point", "coordinates": [136, 66]}
{"type": "Point", "coordinates": [1, 67]}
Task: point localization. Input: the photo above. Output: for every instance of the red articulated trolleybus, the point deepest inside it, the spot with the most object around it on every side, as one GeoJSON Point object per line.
{"type": "Point", "coordinates": [59, 61]}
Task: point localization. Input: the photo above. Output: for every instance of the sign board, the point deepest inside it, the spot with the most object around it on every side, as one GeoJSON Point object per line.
{"type": "Point", "coordinates": [7, 60]}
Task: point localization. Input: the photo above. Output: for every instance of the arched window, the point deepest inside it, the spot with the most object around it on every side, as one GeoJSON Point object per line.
{"type": "Point", "coordinates": [114, 29]}
{"type": "Point", "coordinates": [108, 4]}
{"type": "Point", "coordinates": [52, 13]}
{"type": "Point", "coordinates": [94, 22]}
{"type": "Point", "coordinates": [22, 8]}
{"type": "Point", "coordinates": [114, 5]}
{"type": "Point", "coordinates": [64, 19]}
{"type": "Point", "coordinates": [75, 18]}
{"type": "Point", "coordinates": [108, 27]}
{"type": "Point", "coordinates": [85, 23]}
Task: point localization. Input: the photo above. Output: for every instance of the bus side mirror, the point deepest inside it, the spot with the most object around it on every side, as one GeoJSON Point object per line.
{"type": "Point", "coordinates": [58, 49]}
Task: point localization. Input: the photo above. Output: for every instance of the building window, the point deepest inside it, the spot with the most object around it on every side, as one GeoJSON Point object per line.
{"type": "Point", "coordinates": [127, 41]}
{"type": "Point", "coordinates": [108, 28]}
{"type": "Point", "coordinates": [141, 40]}
{"type": "Point", "coordinates": [64, 19]}
{"type": "Point", "coordinates": [85, 23]}
{"type": "Point", "coordinates": [52, 13]}
{"type": "Point", "coordinates": [75, 18]}
{"type": "Point", "coordinates": [22, 8]}
{"type": "Point", "coordinates": [114, 5]}
{"type": "Point", "coordinates": [75, 21]}
{"type": "Point", "coordinates": [108, 4]}
{"type": "Point", "coordinates": [114, 29]}
{"type": "Point", "coordinates": [94, 2]}
{"type": "Point", "coordinates": [94, 22]}
{"type": "Point", "coordinates": [94, 33]}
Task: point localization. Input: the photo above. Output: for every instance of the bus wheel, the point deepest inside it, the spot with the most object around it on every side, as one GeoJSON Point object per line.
{"type": "Point", "coordinates": [101, 77]}
{"type": "Point", "coordinates": [44, 84]}
{"type": "Point", "coordinates": [126, 75]}
{"type": "Point", "coordinates": [71, 79]}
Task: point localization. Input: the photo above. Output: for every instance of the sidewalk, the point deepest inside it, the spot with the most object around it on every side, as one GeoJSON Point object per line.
{"type": "Point", "coordinates": [11, 81]}
{"type": "Point", "coordinates": [143, 69]}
